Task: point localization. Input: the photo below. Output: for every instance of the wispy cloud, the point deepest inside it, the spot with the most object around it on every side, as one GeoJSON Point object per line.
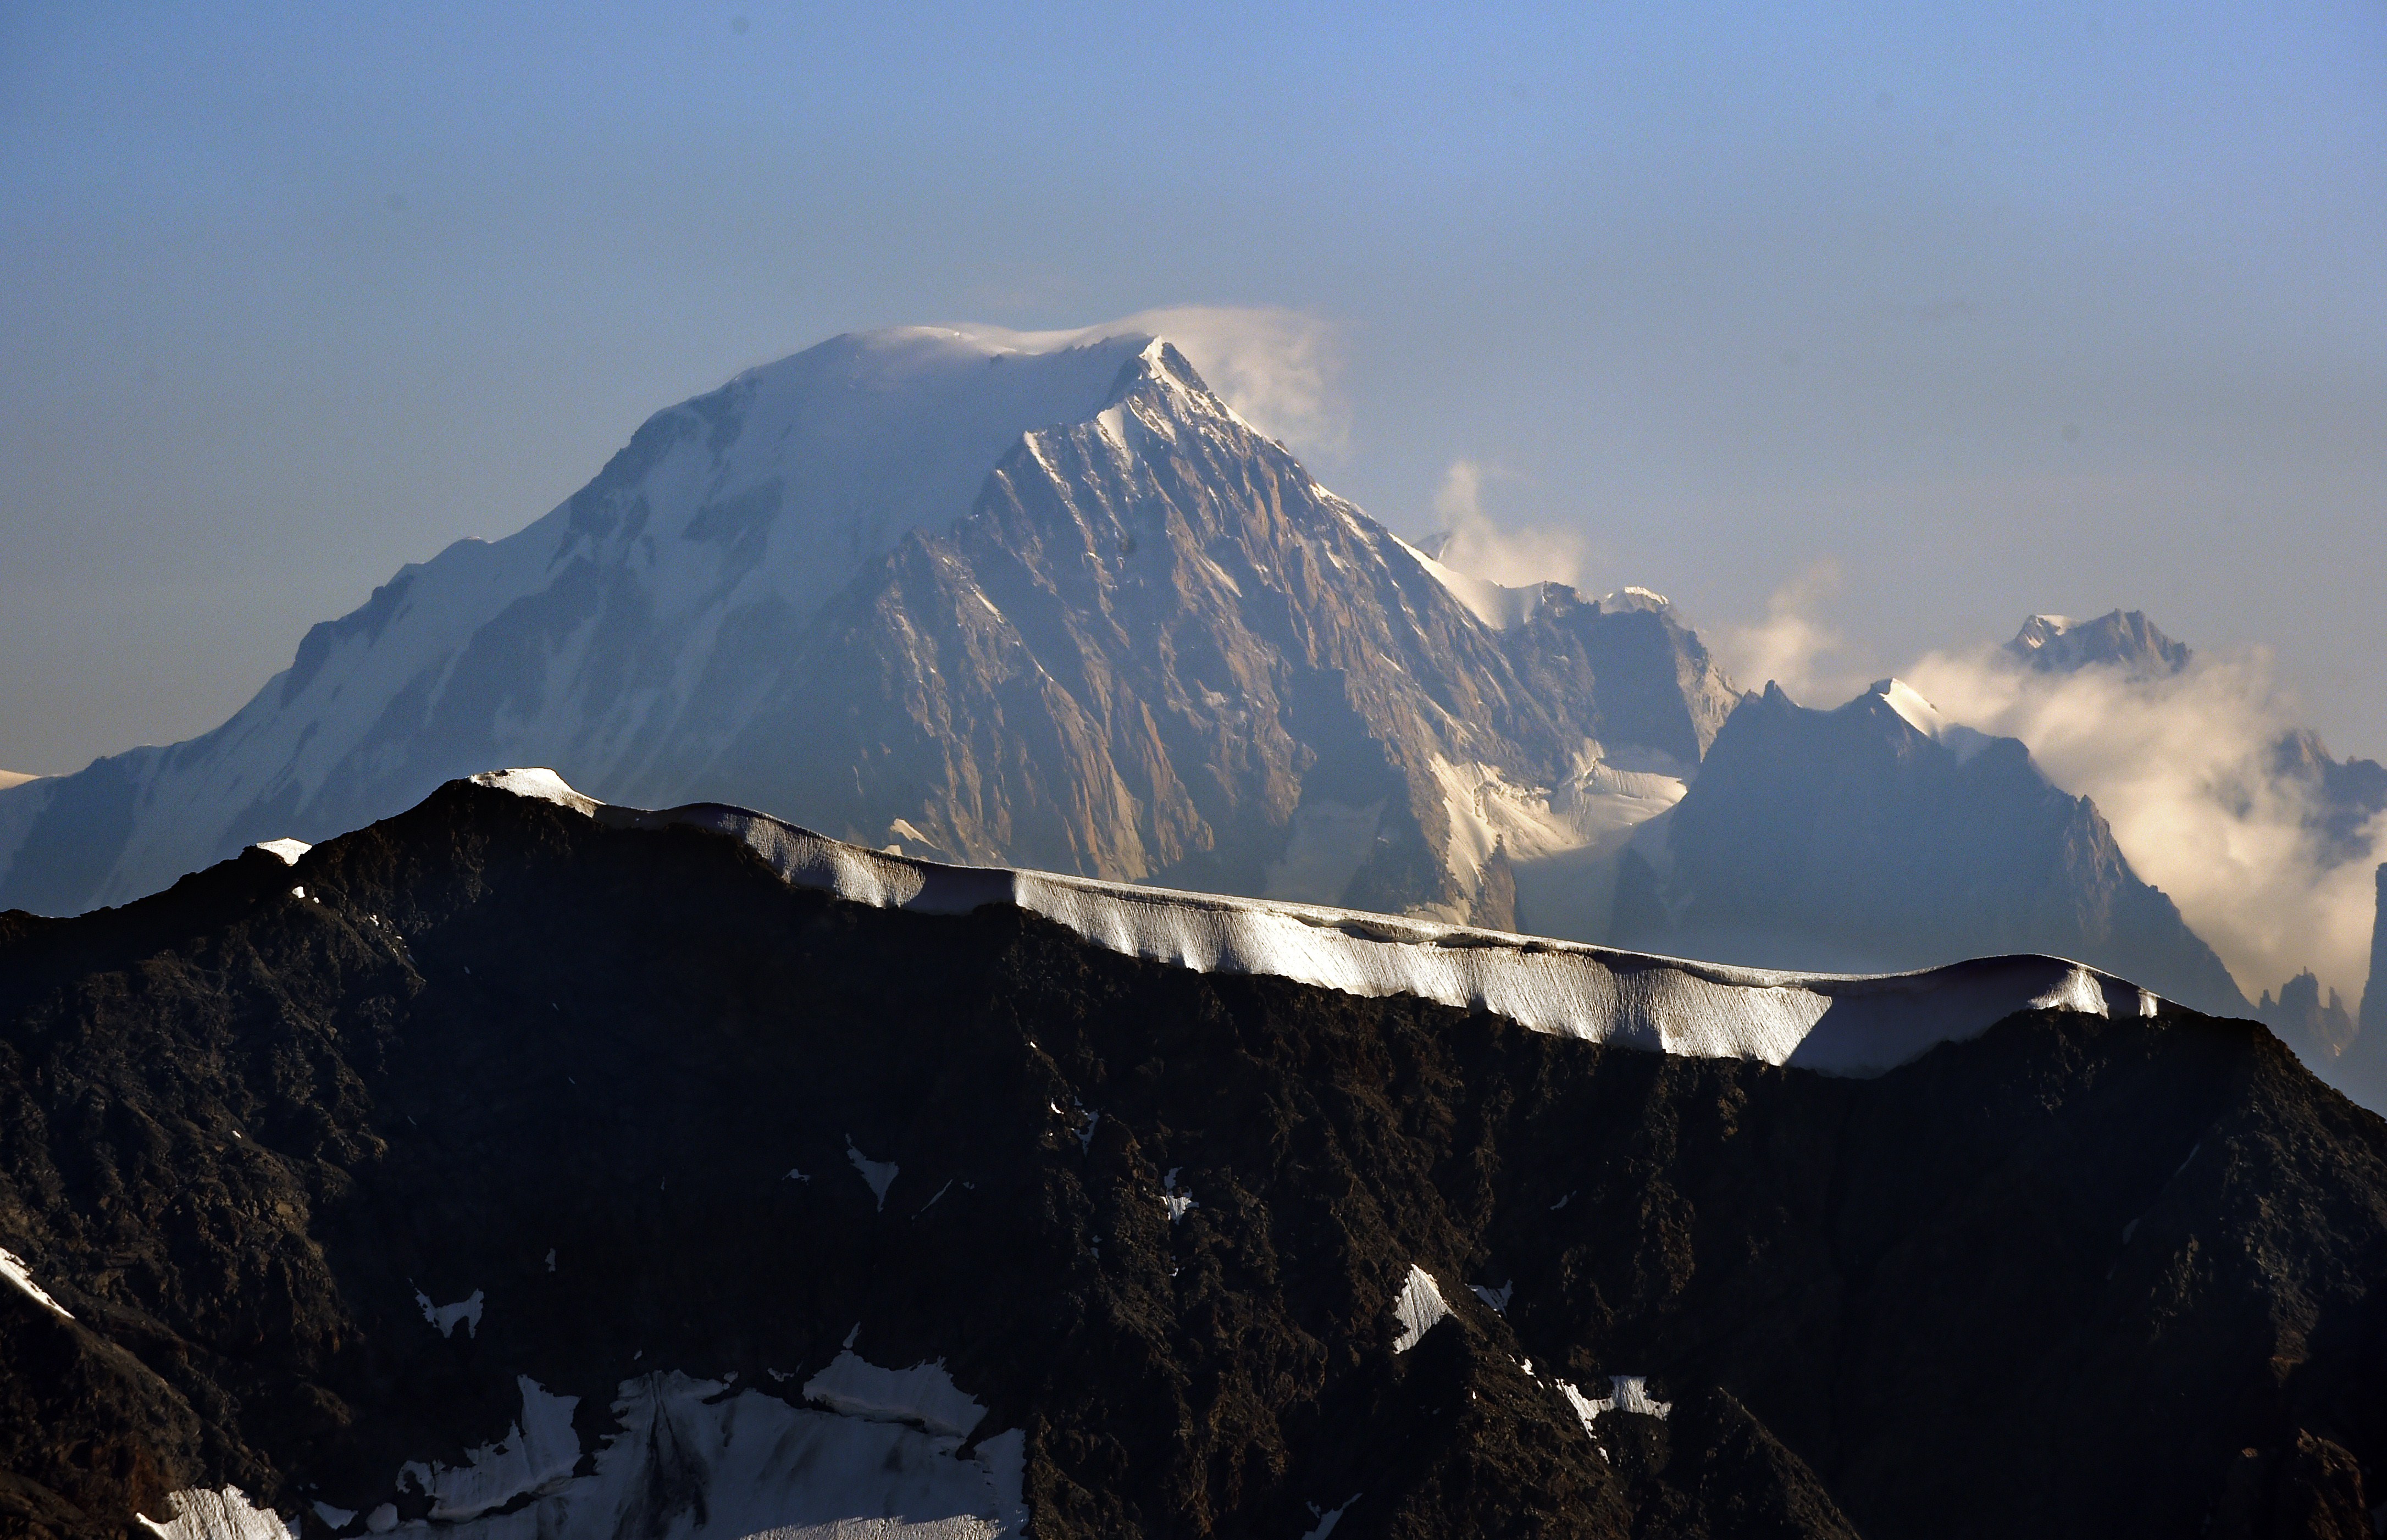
{"type": "Point", "coordinates": [1281, 369]}
{"type": "Point", "coordinates": [1795, 644]}
{"type": "Point", "coordinates": [2181, 769]}
{"type": "Point", "coordinates": [1472, 542]}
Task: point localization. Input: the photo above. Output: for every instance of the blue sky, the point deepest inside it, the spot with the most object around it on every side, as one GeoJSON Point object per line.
{"type": "Point", "coordinates": [1938, 315]}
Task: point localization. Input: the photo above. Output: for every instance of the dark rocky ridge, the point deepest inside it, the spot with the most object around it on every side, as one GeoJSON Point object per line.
{"type": "Point", "coordinates": [2052, 1280]}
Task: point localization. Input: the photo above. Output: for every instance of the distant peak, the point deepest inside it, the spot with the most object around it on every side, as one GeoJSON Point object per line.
{"type": "Point", "coordinates": [2124, 639]}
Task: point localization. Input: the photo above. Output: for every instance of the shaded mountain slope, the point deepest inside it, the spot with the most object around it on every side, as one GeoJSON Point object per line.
{"type": "Point", "coordinates": [1878, 836]}
{"type": "Point", "coordinates": [375, 1158]}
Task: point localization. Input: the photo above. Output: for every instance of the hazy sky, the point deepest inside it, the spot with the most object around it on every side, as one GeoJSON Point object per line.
{"type": "Point", "coordinates": [1941, 318]}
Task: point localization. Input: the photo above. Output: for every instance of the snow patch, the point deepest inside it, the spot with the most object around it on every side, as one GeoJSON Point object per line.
{"type": "Point", "coordinates": [444, 1317]}
{"type": "Point", "coordinates": [539, 785]}
{"type": "Point", "coordinates": [200, 1514]}
{"type": "Point", "coordinates": [698, 1460]}
{"type": "Point", "coordinates": [1627, 1392]}
{"type": "Point", "coordinates": [338, 1518]}
{"type": "Point", "coordinates": [1329, 1517]}
{"type": "Point", "coordinates": [1497, 1298]}
{"type": "Point", "coordinates": [877, 1175]}
{"type": "Point", "coordinates": [535, 1456]}
{"type": "Point", "coordinates": [1417, 1308]}
{"type": "Point", "coordinates": [12, 1268]}
{"type": "Point", "coordinates": [1928, 720]}
{"type": "Point", "coordinates": [287, 851]}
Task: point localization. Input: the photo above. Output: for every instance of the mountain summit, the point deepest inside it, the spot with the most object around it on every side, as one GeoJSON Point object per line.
{"type": "Point", "coordinates": [2128, 640]}
{"type": "Point", "coordinates": [1044, 599]}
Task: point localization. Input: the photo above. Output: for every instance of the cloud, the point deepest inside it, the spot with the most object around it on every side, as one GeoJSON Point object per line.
{"type": "Point", "coordinates": [2181, 769]}
{"type": "Point", "coordinates": [1472, 543]}
{"type": "Point", "coordinates": [1281, 369]}
{"type": "Point", "coordinates": [1794, 645]}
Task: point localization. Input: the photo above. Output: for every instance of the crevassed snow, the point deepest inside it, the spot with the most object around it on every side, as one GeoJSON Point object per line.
{"type": "Point", "coordinates": [288, 850]}
{"type": "Point", "coordinates": [536, 1455]}
{"type": "Point", "coordinates": [444, 1317]}
{"type": "Point", "coordinates": [1418, 1306]}
{"type": "Point", "coordinates": [12, 1268]}
{"type": "Point", "coordinates": [923, 1393]}
{"type": "Point", "coordinates": [200, 1514]}
{"type": "Point", "coordinates": [878, 1175]}
{"type": "Point", "coordinates": [1845, 1024]}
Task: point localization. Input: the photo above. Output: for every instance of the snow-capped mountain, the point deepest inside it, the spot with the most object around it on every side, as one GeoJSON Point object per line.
{"type": "Point", "coordinates": [2058, 644]}
{"type": "Point", "coordinates": [1881, 835]}
{"type": "Point", "coordinates": [526, 1168]}
{"type": "Point", "coordinates": [1037, 597]}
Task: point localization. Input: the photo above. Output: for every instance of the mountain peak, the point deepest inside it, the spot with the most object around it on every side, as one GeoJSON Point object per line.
{"type": "Point", "coordinates": [2126, 639]}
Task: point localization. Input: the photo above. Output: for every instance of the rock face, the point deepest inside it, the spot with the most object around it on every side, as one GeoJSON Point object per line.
{"type": "Point", "coordinates": [2057, 644]}
{"type": "Point", "coordinates": [2374, 994]}
{"type": "Point", "coordinates": [2363, 1067]}
{"type": "Point", "coordinates": [1035, 599]}
{"type": "Point", "coordinates": [2319, 1030]}
{"type": "Point", "coordinates": [2342, 796]}
{"type": "Point", "coordinates": [524, 1173]}
{"type": "Point", "coordinates": [1879, 835]}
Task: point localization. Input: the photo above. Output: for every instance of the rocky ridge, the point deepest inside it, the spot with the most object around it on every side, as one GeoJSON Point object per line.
{"type": "Point", "coordinates": [513, 1169]}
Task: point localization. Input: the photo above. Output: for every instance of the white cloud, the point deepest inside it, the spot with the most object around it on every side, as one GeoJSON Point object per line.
{"type": "Point", "coordinates": [1281, 369]}
{"type": "Point", "coordinates": [1795, 644]}
{"type": "Point", "coordinates": [1472, 543]}
{"type": "Point", "coordinates": [2179, 768]}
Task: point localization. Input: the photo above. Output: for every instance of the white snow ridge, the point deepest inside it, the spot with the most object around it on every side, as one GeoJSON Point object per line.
{"type": "Point", "coordinates": [12, 1268]}
{"type": "Point", "coordinates": [1418, 1307]}
{"type": "Point", "coordinates": [1839, 1024]}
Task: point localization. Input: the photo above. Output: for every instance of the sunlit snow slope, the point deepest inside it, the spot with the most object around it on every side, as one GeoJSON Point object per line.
{"type": "Point", "coordinates": [1838, 1023]}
